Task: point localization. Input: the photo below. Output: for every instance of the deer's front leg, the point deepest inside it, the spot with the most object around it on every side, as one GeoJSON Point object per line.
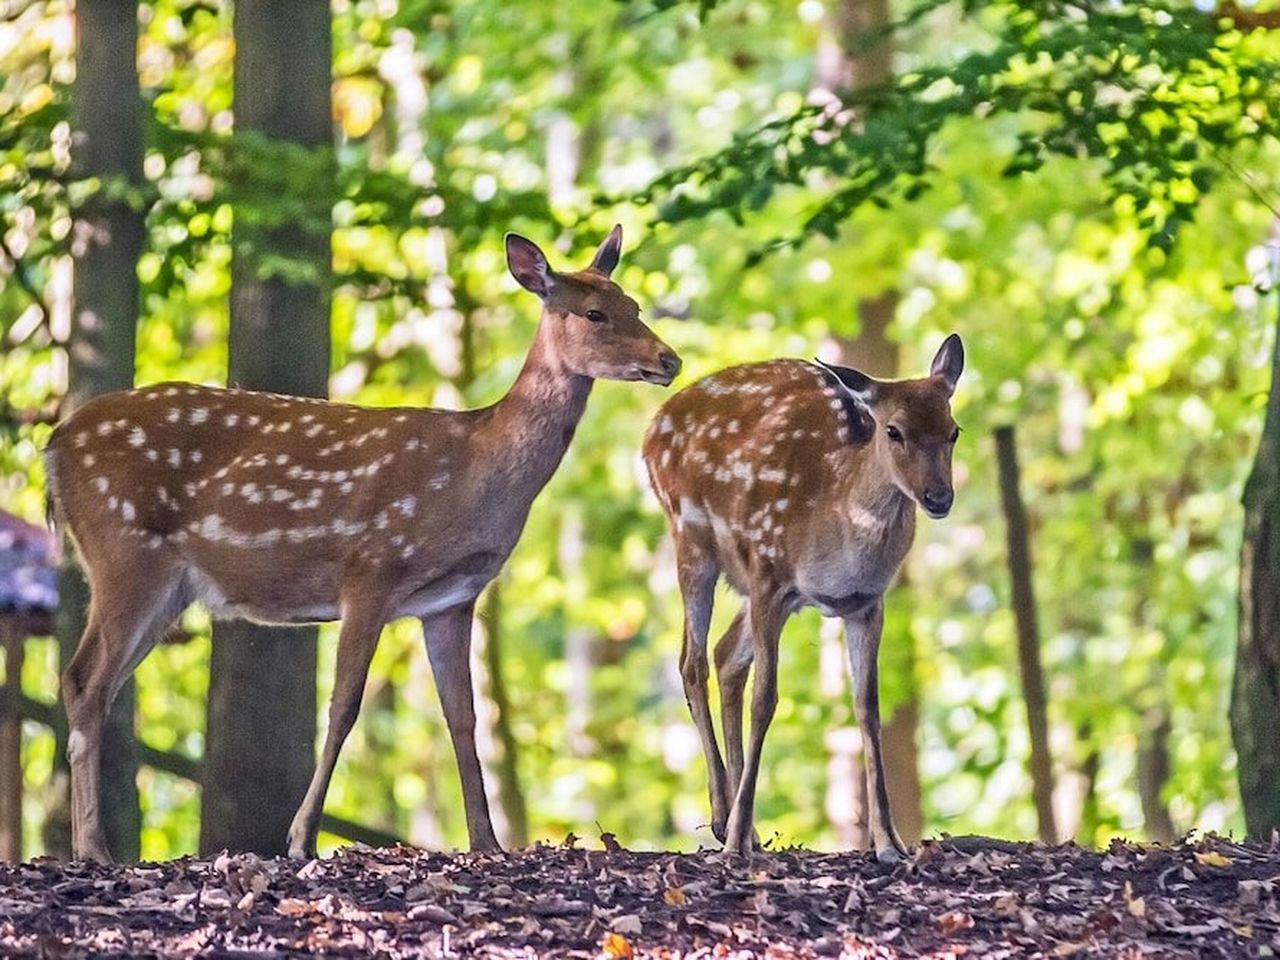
{"type": "Point", "coordinates": [358, 638]}
{"type": "Point", "coordinates": [767, 617]}
{"type": "Point", "coordinates": [448, 637]}
{"type": "Point", "coordinates": [862, 635]}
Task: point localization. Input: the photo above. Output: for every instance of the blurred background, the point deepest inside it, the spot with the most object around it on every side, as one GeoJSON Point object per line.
{"type": "Point", "coordinates": [1086, 197]}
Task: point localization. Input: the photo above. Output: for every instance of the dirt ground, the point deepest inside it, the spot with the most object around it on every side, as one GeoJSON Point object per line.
{"type": "Point", "coordinates": [955, 898]}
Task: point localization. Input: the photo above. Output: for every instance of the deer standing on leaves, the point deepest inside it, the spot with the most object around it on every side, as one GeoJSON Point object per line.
{"type": "Point", "coordinates": [290, 510]}
{"type": "Point", "coordinates": [799, 483]}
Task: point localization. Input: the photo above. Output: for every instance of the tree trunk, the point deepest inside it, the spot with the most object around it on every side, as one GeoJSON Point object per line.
{"type": "Point", "coordinates": [11, 648]}
{"type": "Point", "coordinates": [1255, 695]}
{"type": "Point", "coordinates": [262, 685]}
{"type": "Point", "coordinates": [1024, 611]}
{"type": "Point", "coordinates": [107, 239]}
{"type": "Point", "coordinates": [1153, 774]}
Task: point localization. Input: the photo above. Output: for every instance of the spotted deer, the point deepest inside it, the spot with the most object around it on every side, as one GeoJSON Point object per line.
{"type": "Point", "coordinates": [798, 482]}
{"type": "Point", "coordinates": [289, 510]}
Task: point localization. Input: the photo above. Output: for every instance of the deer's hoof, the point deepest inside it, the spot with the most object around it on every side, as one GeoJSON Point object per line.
{"type": "Point", "coordinates": [890, 855]}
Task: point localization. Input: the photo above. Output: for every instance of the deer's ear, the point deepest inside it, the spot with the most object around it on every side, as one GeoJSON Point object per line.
{"type": "Point", "coordinates": [948, 362]}
{"type": "Point", "coordinates": [853, 382]}
{"type": "Point", "coordinates": [528, 265]}
{"type": "Point", "coordinates": [606, 257]}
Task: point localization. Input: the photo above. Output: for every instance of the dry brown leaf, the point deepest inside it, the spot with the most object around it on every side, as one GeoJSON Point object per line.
{"type": "Point", "coordinates": [674, 897]}
{"type": "Point", "coordinates": [1212, 858]}
{"type": "Point", "coordinates": [293, 907]}
{"type": "Point", "coordinates": [954, 920]}
{"type": "Point", "coordinates": [615, 945]}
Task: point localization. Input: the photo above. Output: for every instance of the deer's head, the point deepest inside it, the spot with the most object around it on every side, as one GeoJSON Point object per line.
{"type": "Point", "coordinates": [914, 433]}
{"type": "Point", "coordinates": [595, 328]}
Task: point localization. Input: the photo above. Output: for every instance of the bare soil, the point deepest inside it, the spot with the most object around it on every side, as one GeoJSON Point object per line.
{"type": "Point", "coordinates": [967, 897]}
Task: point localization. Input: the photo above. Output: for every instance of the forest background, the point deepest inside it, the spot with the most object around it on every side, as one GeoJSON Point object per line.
{"type": "Point", "coordinates": [1085, 195]}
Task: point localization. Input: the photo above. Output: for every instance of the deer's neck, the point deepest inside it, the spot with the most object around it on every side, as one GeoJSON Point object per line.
{"type": "Point", "coordinates": [532, 425]}
{"type": "Point", "coordinates": [870, 499]}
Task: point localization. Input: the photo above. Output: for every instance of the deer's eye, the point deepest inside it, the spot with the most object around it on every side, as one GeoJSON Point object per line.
{"type": "Point", "coordinates": [595, 316]}
{"type": "Point", "coordinates": [894, 434]}
{"type": "Point", "coordinates": [955, 434]}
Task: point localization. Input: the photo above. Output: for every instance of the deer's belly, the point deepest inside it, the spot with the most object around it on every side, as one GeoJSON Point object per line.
{"type": "Point", "coordinates": [844, 590]}
{"type": "Point", "coordinates": [283, 601]}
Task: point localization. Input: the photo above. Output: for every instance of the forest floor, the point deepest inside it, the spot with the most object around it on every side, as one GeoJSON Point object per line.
{"type": "Point", "coordinates": [955, 898]}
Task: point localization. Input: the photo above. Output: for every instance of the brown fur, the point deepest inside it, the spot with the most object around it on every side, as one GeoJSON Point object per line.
{"type": "Point", "coordinates": [784, 479]}
{"type": "Point", "coordinates": [292, 510]}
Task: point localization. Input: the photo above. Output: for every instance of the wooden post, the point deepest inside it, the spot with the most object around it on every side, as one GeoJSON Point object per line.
{"type": "Point", "coordinates": [1024, 611]}
{"type": "Point", "coordinates": [11, 640]}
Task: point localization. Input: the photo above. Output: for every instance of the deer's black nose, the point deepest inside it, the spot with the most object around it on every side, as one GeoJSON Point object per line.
{"type": "Point", "coordinates": [670, 362]}
{"type": "Point", "coordinates": [938, 501]}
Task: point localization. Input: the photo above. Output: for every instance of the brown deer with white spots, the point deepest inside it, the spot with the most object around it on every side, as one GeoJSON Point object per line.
{"type": "Point", "coordinates": [798, 482]}
{"type": "Point", "coordinates": [290, 510]}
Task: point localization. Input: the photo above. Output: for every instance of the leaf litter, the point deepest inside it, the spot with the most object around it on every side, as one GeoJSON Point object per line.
{"type": "Point", "coordinates": [964, 897]}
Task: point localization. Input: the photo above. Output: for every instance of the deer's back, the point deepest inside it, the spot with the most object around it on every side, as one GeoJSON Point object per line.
{"type": "Point", "coordinates": [243, 485]}
{"type": "Point", "coordinates": [757, 465]}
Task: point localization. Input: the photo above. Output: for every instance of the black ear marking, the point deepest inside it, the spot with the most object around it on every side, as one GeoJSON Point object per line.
{"type": "Point", "coordinates": [854, 383]}
{"type": "Point", "coordinates": [610, 251]}
{"type": "Point", "coordinates": [528, 265]}
{"type": "Point", "coordinates": [857, 415]}
{"type": "Point", "coordinates": [948, 362]}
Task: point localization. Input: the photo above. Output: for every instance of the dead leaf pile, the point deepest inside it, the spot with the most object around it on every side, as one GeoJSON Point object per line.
{"type": "Point", "coordinates": [965, 897]}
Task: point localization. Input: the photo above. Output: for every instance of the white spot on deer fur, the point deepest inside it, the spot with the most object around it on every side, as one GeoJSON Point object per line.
{"type": "Point", "coordinates": [665, 425]}
{"type": "Point", "coordinates": [171, 392]}
{"type": "Point", "coordinates": [723, 474]}
{"type": "Point", "coordinates": [408, 551]}
{"type": "Point", "coordinates": [113, 502]}
{"type": "Point", "coordinates": [198, 415]}
{"type": "Point", "coordinates": [101, 483]}
{"type": "Point", "coordinates": [732, 427]}
{"type": "Point", "coordinates": [714, 433]}
{"type": "Point", "coordinates": [382, 521]}
{"type": "Point", "coordinates": [690, 512]}
{"type": "Point", "coordinates": [281, 459]}
{"type": "Point", "coordinates": [411, 443]}
{"type": "Point", "coordinates": [797, 434]}
{"type": "Point", "coordinates": [104, 429]}
{"type": "Point", "coordinates": [82, 438]}
{"type": "Point", "coordinates": [231, 419]}
{"type": "Point", "coordinates": [153, 455]}
{"type": "Point", "coordinates": [666, 457]}
{"type": "Point", "coordinates": [780, 505]}
{"type": "Point", "coordinates": [195, 456]}
{"type": "Point", "coordinates": [90, 459]}
{"type": "Point", "coordinates": [253, 420]}
{"type": "Point", "coordinates": [280, 495]}
{"type": "Point", "coordinates": [175, 457]}
{"type": "Point", "coordinates": [315, 430]}
{"type": "Point", "coordinates": [228, 489]}
{"type": "Point", "coordinates": [439, 481]}
{"type": "Point", "coordinates": [137, 437]}
{"type": "Point", "coordinates": [772, 475]}
{"type": "Point", "coordinates": [127, 511]}
{"type": "Point", "coordinates": [742, 471]}
{"type": "Point", "coordinates": [406, 505]}
{"type": "Point", "coordinates": [285, 427]}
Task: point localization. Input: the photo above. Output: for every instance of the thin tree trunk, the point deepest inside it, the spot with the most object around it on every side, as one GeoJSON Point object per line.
{"type": "Point", "coordinates": [1153, 774]}
{"type": "Point", "coordinates": [108, 237]}
{"type": "Point", "coordinates": [262, 685]}
{"type": "Point", "coordinates": [1255, 694]}
{"type": "Point", "coordinates": [11, 644]}
{"type": "Point", "coordinates": [1024, 611]}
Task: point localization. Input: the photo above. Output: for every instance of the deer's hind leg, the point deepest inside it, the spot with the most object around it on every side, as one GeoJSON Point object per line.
{"type": "Point", "coordinates": [734, 654]}
{"type": "Point", "coordinates": [698, 571]}
{"type": "Point", "coordinates": [128, 612]}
